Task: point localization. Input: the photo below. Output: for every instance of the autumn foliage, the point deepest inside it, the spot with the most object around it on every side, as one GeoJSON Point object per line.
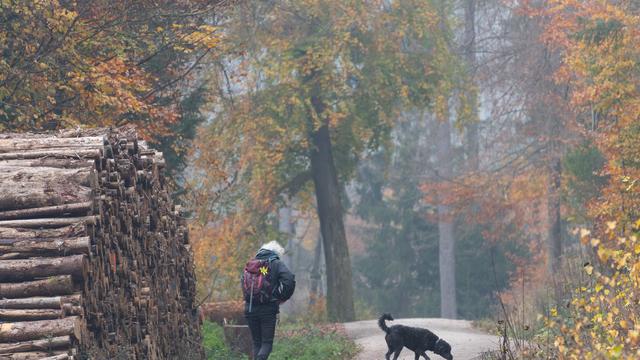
{"type": "Point", "coordinates": [599, 41]}
{"type": "Point", "coordinates": [96, 63]}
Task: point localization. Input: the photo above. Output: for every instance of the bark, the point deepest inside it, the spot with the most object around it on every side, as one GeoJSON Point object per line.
{"type": "Point", "coordinates": [57, 357]}
{"type": "Point", "coordinates": [59, 210]}
{"type": "Point", "coordinates": [36, 345]}
{"type": "Point", "coordinates": [46, 247]}
{"type": "Point", "coordinates": [49, 143]}
{"type": "Point", "coordinates": [338, 264]}
{"type": "Point", "coordinates": [316, 276]}
{"type": "Point", "coordinates": [48, 162]}
{"type": "Point", "coordinates": [30, 314]}
{"type": "Point", "coordinates": [218, 312]}
{"type": "Point", "coordinates": [19, 270]}
{"type": "Point", "coordinates": [53, 302]}
{"type": "Point", "coordinates": [34, 355]}
{"type": "Point", "coordinates": [56, 285]}
{"type": "Point", "coordinates": [10, 235]}
{"type": "Point", "coordinates": [33, 330]}
{"type": "Point", "coordinates": [48, 222]}
{"type": "Point", "coordinates": [138, 290]}
{"type": "Point", "coordinates": [447, 260]}
{"type": "Point", "coordinates": [33, 187]}
{"type": "Point", "coordinates": [55, 154]}
{"type": "Point", "coordinates": [285, 226]}
{"type": "Point", "coordinates": [239, 339]}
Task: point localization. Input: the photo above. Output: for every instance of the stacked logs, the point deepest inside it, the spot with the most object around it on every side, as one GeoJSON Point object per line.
{"type": "Point", "coordinates": [231, 312]}
{"type": "Point", "coordinates": [94, 258]}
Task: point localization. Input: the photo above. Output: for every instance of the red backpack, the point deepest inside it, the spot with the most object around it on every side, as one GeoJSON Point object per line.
{"type": "Point", "coordinates": [257, 284]}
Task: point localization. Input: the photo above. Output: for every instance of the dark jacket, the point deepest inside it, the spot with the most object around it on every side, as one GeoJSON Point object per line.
{"type": "Point", "coordinates": [285, 284]}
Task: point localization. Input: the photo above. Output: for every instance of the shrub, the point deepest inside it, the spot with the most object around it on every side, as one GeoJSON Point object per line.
{"type": "Point", "coordinates": [602, 320]}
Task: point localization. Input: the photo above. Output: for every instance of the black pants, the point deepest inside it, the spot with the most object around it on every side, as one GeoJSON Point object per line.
{"type": "Point", "coordinates": [263, 328]}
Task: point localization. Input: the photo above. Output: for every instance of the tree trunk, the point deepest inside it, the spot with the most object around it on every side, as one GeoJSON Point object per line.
{"type": "Point", "coordinates": [58, 210]}
{"type": "Point", "coordinates": [218, 312]}
{"type": "Point", "coordinates": [36, 187]}
{"type": "Point", "coordinates": [339, 276]}
{"type": "Point", "coordinates": [33, 330]}
{"type": "Point", "coordinates": [50, 143]}
{"type": "Point", "coordinates": [9, 235]}
{"type": "Point", "coordinates": [48, 222]}
{"type": "Point", "coordinates": [36, 355]}
{"type": "Point", "coordinates": [316, 276]}
{"type": "Point", "coordinates": [56, 285]}
{"type": "Point", "coordinates": [472, 133]}
{"type": "Point", "coordinates": [48, 247]}
{"type": "Point", "coordinates": [19, 270]}
{"type": "Point", "coordinates": [60, 342]}
{"type": "Point", "coordinates": [55, 154]}
{"type": "Point", "coordinates": [48, 162]}
{"type": "Point", "coordinates": [554, 237]}
{"type": "Point", "coordinates": [53, 302]}
{"type": "Point", "coordinates": [447, 258]}
{"type": "Point", "coordinates": [285, 226]}
{"type": "Point", "coordinates": [30, 314]}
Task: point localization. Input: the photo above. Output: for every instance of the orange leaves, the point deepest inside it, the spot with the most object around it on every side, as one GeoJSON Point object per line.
{"type": "Point", "coordinates": [69, 64]}
{"type": "Point", "coordinates": [110, 89]}
{"type": "Point", "coordinates": [501, 199]}
{"type": "Point", "coordinates": [599, 45]}
{"type": "Point", "coordinates": [219, 256]}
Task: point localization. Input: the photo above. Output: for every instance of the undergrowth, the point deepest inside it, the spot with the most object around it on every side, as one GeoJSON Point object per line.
{"type": "Point", "coordinates": [293, 342]}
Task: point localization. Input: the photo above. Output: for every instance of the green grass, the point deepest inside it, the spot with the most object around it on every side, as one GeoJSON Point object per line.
{"type": "Point", "coordinates": [213, 342]}
{"type": "Point", "coordinates": [293, 342]}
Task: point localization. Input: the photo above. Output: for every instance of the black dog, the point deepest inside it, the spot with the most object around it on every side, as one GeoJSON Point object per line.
{"type": "Point", "coordinates": [416, 339]}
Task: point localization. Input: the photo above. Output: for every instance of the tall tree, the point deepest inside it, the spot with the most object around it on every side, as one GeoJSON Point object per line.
{"type": "Point", "coordinates": [318, 83]}
{"type": "Point", "coordinates": [469, 50]}
{"type": "Point", "coordinates": [447, 240]}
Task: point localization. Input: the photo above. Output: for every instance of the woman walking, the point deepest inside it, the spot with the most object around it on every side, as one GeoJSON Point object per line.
{"type": "Point", "coordinates": [266, 283]}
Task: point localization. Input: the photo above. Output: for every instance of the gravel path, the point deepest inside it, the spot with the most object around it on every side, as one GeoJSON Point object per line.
{"type": "Point", "coordinates": [466, 342]}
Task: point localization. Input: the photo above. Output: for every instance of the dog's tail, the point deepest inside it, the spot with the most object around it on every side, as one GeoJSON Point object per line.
{"type": "Point", "coordinates": [382, 324]}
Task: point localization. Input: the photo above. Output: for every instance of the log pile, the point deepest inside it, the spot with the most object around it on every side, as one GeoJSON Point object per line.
{"type": "Point", "coordinates": [94, 258]}
{"type": "Point", "coordinates": [229, 312]}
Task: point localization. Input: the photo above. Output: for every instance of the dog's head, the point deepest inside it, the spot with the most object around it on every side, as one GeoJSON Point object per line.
{"type": "Point", "coordinates": [443, 349]}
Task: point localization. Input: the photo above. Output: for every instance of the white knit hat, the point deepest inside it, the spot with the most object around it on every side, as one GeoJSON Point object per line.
{"type": "Point", "coordinates": [275, 247]}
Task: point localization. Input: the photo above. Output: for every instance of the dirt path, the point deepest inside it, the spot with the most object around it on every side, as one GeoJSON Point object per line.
{"type": "Point", "coordinates": [466, 342]}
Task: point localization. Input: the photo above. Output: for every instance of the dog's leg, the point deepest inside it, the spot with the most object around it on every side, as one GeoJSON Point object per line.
{"type": "Point", "coordinates": [424, 354]}
{"type": "Point", "coordinates": [397, 354]}
{"type": "Point", "coordinates": [388, 355]}
{"type": "Point", "coordinates": [417, 355]}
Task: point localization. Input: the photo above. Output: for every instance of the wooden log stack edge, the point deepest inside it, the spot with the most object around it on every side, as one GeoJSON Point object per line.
{"type": "Point", "coordinates": [95, 261]}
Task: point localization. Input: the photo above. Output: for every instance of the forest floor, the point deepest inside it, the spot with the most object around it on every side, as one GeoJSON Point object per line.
{"type": "Point", "coordinates": [466, 342]}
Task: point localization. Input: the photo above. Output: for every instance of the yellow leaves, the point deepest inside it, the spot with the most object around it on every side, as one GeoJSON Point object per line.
{"type": "Point", "coordinates": [604, 312]}
{"type": "Point", "coordinates": [91, 62]}
{"type": "Point", "coordinates": [604, 254]}
{"type": "Point", "coordinates": [588, 269]}
{"type": "Point", "coordinates": [584, 235]}
{"type": "Point", "coordinates": [624, 324]}
{"type": "Point", "coordinates": [633, 337]}
{"type": "Point", "coordinates": [203, 37]}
